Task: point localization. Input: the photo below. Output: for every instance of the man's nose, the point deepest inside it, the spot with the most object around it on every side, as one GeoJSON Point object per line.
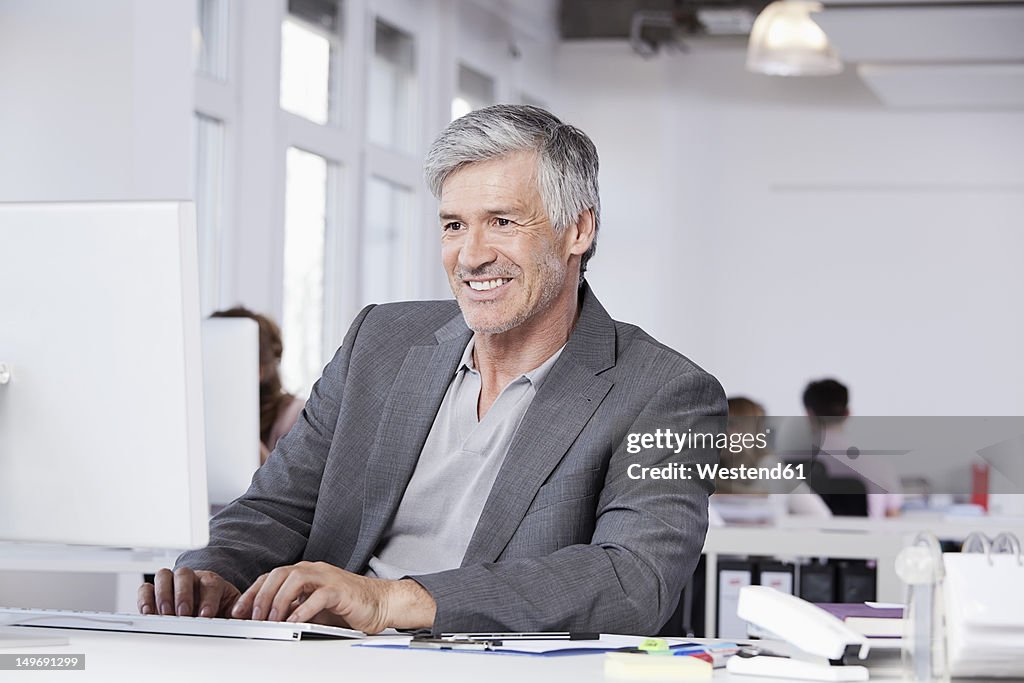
{"type": "Point", "coordinates": [476, 251]}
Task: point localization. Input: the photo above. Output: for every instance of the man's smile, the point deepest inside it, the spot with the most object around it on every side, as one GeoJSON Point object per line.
{"type": "Point", "coordinates": [485, 285]}
{"type": "Point", "coordinates": [486, 290]}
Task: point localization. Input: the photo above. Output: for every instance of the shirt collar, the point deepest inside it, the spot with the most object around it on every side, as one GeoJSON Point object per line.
{"type": "Point", "coordinates": [535, 376]}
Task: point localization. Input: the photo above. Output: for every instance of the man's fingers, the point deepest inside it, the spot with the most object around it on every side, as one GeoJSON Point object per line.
{"type": "Point", "coordinates": [147, 599]}
{"type": "Point", "coordinates": [210, 589]}
{"type": "Point", "coordinates": [304, 592]}
{"type": "Point", "coordinates": [184, 582]}
{"type": "Point", "coordinates": [228, 602]}
{"type": "Point", "coordinates": [163, 584]}
{"type": "Point", "coordinates": [228, 596]}
{"type": "Point", "coordinates": [263, 603]}
{"type": "Point", "coordinates": [243, 605]}
{"type": "Point", "coordinates": [311, 606]}
{"type": "Point", "coordinates": [295, 589]}
{"type": "Point", "coordinates": [186, 592]}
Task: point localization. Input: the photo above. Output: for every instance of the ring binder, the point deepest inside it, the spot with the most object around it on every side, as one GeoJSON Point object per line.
{"type": "Point", "coordinates": [974, 538]}
{"type": "Point", "coordinates": [985, 615]}
{"type": "Point", "coordinates": [1007, 539]}
{"type": "Point", "coordinates": [993, 546]}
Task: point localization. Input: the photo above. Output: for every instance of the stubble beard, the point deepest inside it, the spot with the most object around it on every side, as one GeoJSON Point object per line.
{"type": "Point", "coordinates": [552, 277]}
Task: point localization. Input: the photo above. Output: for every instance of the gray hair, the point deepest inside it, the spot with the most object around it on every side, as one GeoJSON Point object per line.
{"type": "Point", "coordinates": [566, 159]}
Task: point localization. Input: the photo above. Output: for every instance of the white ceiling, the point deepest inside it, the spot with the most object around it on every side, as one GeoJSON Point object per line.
{"type": "Point", "coordinates": [969, 55]}
{"type": "Point", "coordinates": [947, 86]}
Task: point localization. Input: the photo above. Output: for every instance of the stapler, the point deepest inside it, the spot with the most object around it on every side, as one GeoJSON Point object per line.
{"type": "Point", "coordinates": [822, 639]}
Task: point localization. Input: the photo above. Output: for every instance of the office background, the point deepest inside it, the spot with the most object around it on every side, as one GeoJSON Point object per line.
{"type": "Point", "coordinates": [775, 230]}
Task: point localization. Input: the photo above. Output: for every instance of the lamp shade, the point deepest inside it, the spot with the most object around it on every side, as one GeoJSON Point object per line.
{"type": "Point", "coordinates": [785, 41]}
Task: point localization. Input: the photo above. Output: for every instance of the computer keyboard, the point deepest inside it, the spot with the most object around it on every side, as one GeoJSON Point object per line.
{"type": "Point", "coordinates": [171, 625]}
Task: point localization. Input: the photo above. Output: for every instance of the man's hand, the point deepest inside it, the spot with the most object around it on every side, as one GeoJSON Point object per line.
{"type": "Point", "coordinates": [187, 593]}
{"type": "Point", "coordinates": [322, 593]}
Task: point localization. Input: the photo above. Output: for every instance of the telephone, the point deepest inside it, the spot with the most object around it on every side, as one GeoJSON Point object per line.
{"type": "Point", "coordinates": [820, 637]}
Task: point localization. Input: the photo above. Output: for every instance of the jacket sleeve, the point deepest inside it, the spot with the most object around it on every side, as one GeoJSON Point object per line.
{"type": "Point", "coordinates": [646, 542]}
{"type": "Point", "coordinates": [269, 525]}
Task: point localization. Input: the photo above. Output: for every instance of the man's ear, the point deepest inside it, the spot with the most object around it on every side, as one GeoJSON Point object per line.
{"type": "Point", "coordinates": [581, 233]}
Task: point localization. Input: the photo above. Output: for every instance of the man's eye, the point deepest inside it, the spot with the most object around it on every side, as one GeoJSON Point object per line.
{"type": "Point", "coordinates": [503, 222]}
{"type": "Point", "coordinates": [450, 227]}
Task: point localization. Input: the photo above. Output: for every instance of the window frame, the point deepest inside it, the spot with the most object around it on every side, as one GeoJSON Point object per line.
{"type": "Point", "coordinates": [258, 133]}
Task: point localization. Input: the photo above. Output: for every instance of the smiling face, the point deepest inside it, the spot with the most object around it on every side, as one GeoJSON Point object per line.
{"type": "Point", "coordinates": [506, 264]}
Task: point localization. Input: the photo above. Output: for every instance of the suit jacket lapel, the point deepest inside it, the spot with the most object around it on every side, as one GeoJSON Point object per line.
{"type": "Point", "coordinates": [405, 423]}
{"type": "Point", "coordinates": [567, 400]}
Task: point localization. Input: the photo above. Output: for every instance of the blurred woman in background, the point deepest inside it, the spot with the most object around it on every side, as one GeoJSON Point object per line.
{"type": "Point", "coordinates": [738, 499]}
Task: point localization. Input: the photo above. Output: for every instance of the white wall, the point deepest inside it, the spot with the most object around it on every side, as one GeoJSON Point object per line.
{"type": "Point", "coordinates": [96, 99]}
{"type": "Point", "coordinates": [782, 230]}
{"type": "Point", "coordinates": [58, 590]}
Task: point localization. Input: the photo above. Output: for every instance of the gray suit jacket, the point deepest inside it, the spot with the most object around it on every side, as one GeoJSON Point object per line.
{"type": "Point", "coordinates": [566, 540]}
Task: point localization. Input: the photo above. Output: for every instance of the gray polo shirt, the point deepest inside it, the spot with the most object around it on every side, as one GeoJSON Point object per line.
{"type": "Point", "coordinates": [454, 474]}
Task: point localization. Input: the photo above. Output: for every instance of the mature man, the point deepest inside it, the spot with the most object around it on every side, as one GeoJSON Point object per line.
{"type": "Point", "coordinates": [466, 466]}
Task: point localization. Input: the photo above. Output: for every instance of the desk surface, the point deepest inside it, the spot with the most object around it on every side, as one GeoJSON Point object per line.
{"type": "Point", "coordinates": [66, 558]}
{"type": "Point", "coordinates": [149, 657]}
{"type": "Point", "coordinates": [955, 528]}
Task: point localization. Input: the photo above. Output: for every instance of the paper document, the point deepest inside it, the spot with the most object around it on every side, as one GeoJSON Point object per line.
{"type": "Point", "coordinates": [555, 647]}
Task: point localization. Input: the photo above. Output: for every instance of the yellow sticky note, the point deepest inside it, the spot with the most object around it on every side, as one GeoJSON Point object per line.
{"type": "Point", "coordinates": [634, 666]}
{"type": "Point", "coordinates": [654, 645]}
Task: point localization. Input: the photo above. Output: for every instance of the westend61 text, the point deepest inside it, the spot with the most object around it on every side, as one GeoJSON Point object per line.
{"type": "Point", "coordinates": [778, 472]}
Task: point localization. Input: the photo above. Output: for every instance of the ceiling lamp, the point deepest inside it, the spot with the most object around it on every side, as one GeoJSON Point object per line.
{"type": "Point", "coordinates": [785, 41]}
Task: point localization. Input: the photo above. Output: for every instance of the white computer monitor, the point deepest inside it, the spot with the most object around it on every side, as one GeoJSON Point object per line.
{"type": "Point", "coordinates": [231, 399]}
{"type": "Point", "coordinates": [101, 421]}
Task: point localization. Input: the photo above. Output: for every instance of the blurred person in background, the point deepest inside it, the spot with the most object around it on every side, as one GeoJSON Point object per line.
{"type": "Point", "coordinates": [781, 497]}
{"type": "Point", "coordinates": [827, 403]}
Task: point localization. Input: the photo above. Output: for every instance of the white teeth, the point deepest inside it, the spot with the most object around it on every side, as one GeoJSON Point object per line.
{"type": "Point", "coordinates": [489, 284]}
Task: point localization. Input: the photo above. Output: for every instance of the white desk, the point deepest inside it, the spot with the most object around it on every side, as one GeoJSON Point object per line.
{"type": "Point", "coordinates": [143, 657]}
{"type": "Point", "coordinates": [856, 538]}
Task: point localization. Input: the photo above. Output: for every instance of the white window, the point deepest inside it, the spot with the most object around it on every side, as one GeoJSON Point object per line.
{"type": "Point", "coordinates": [308, 204]}
{"type": "Point", "coordinates": [210, 39]}
{"type": "Point", "coordinates": [208, 168]}
{"type": "Point", "coordinates": [310, 48]}
{"type": "Point", "coordinates": [385, 262]}
{"type": "Point", "coordinates": [474, 90]}
{"type": "Point", "coordinates": [305, 72]}
{"type": "Point", "coordinates": [392, 107]}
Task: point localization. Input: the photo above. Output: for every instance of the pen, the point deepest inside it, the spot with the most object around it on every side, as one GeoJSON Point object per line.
{"type": "Point", "coordinates": [454, 644]}
{"type": "Point", "coordinates": [539, 635]}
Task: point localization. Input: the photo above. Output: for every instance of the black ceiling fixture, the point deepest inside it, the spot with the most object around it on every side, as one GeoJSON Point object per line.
{"type": "Point", "coordinates": [652, 25]}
